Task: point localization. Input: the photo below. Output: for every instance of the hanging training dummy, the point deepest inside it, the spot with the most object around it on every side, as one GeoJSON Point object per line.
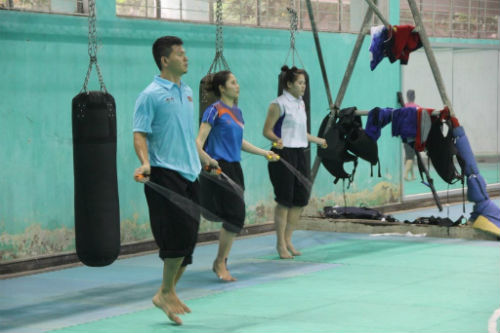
{"type": "Point", "coordinates": [207, 98]}
{"type": "Point", "coordinates": [97, 213]}
{"type": "Point", "coordinates": [485, 214]}
{"type": "Point", "coordinates": [207, 201]}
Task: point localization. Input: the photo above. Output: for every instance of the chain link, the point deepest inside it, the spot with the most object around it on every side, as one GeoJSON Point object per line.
{"type": "Point", "coordinates": [219, 63]}
{"type": "Point", "coordinates": [293, 32]}
{"type": "Point", "coordinates": [92, 49]}
{"type": "Point", "coordinates": [293, 23]}
{"type": "Point", "coordinates": [219, 40]}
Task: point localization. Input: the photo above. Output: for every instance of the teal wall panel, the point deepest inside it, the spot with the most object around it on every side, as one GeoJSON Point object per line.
{"type": "Point", "coordinates": [43, 64]}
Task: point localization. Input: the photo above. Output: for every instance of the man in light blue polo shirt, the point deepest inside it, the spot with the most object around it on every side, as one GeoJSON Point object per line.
{"type": "Point", "coordinates": [164, 140]}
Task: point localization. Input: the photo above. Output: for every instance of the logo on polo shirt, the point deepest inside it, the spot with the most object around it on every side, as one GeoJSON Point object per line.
{"type": "Point", "coordinates": [190, 98]}
{"type": "Point", "coordinates": [169, 99]}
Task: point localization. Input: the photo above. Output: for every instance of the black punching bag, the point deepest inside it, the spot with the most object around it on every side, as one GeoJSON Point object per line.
{"type": "Point", "coordinates": [207, 199]}
{"type": "Point", "coordinates": [307, 102]}
{"type": "Point", "coordinates": [97, 214]}
{"type": "Point", "coordinates": [207, 96]}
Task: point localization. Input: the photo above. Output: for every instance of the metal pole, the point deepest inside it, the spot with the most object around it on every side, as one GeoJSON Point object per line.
{"type": "Point", "coordinates": [434, 18]}
{"type": "Point", "coordinates": [340, 16]}
{"type": "Point", "coordinates": [352, 61]}
{"type": "Point", "coordinates": [257, 13]}
{"type": "Point", "coordinates": [436, 112]}
{"type": "Point", "coordinates": [158, 9]}
{"type": "Point", "coordinates": [377, 12]}
{"type": "Point", "coordinates": [468, 19]}
{"type": "Point", "coordinates": [430, 56]}
{"type": "Point", "coordinates": [345, 82]}
{"type": "Point", "coordinates": [320, 54]}
{"type": "Point", "coordinates": [452, 17]}
{"type": "Point", "coordinates": [211, 11]}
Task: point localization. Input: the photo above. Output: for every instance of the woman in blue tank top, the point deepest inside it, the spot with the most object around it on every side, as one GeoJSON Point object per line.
{"type": "Point", "coordinates": [220, 141]}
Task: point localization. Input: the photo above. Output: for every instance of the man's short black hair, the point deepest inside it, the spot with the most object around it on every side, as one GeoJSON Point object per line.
{"type": "Point", "coordinates": [162, 47]}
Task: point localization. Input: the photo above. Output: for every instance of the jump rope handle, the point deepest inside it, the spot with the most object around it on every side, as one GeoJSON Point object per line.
{"type": "Point", "coordinates": [275, 144]}
{"type": "Point", "coordinates": [270, 157]}
{"type": "Point", "coordinates": [209, 169]}
{"type": "Point", "coordinates": [141, 178]}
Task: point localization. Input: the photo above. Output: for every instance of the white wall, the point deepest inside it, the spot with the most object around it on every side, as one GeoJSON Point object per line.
{"type": "Point", "coordinates": [471, 78]}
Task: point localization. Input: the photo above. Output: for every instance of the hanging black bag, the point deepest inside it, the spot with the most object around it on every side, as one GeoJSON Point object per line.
{"type": "Point", "coordinates": [97, 212]}
{"type": "Point", "coordinates": [336, 154]}
{"type": "Point", "coordinates": [207, 97]}
{"type": "Point", "coordinates": [441, 150]}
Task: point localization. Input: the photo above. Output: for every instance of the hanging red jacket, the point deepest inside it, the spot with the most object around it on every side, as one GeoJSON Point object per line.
{"type": "Point", "coordinates": [402, 40]}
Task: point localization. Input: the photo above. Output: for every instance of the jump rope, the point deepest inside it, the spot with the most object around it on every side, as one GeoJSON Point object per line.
{"type": "Point", "coordinates": [219, 177]}
{"type": "Point", "coordinates": [190, 207]}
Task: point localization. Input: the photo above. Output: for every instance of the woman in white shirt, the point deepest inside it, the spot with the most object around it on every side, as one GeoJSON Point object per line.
{"type": "Point", "coordinates": [286, 127]}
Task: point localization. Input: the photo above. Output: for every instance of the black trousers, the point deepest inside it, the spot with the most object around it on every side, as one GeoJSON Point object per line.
{"type": "Point", "coordinates": [174, 229]}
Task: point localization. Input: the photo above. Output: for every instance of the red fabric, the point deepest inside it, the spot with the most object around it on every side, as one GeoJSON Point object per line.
{"type": "Point", "coordinates": [419, 143]}
{"type": "Point", "coordinates": [405, 41]}
{"type": "Point", "coordinates": [445, 114]}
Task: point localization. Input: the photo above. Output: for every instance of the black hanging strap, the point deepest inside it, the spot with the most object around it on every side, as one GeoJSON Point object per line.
{"type": "Point", "coordinates": [428, 180]}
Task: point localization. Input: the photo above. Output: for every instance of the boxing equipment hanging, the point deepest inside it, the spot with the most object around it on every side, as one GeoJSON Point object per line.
{"type": "Point", "coordinates": [97, 214]}
{"type": "Point", "coordinates": [307, 94]}
{"type": "Point", "coordinates": [207, 98]}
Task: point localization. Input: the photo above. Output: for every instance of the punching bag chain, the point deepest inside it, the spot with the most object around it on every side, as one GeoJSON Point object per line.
{"type": "Point", "coordinates": [219, 39]}
{"type": "Point", "coordinates": [293, 32]}
{"type": "Point", "coordinates": [219, 62]}
{"type": "Point", "coordinates": [293, 24]}
{"type": "Point", "coordinates": [93, 49]}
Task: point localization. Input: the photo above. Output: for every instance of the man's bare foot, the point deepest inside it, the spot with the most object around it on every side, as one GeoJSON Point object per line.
{"type": "Point", "coordinates": [292, 250]}
{"type": "Point", "coordinates": [220, 269]}
{"type": "Point", "coordinates": [283, 253]}
{"type": "Point", "coordinates": [171, 305]}
{"type": "Point", "coordinates": [185, 307]}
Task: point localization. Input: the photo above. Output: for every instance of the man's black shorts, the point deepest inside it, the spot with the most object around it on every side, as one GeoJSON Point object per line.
{"type": "Point", "coordinates": [174, 229]}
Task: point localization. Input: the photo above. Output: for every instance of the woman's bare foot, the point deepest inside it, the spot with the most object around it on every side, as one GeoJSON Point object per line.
{"type": "Point", "coordinates": [283, 253]}
{"type": "Point", "coordinates": [220, 269]}
{"type": "Point", "coordinates": [292, 250]}
{"type": "Point", "coordinates": [171, 305]}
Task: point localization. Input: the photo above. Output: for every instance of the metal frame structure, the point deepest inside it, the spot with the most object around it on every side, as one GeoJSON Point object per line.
{"type": "Point", "coordinates": [365, 29]}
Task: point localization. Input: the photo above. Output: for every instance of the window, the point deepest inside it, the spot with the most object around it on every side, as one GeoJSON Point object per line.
{"type": "Point", "coordinates": [330, 15]}
{"type": "Point", "coordinates": [456, 18]}
{"type": "Point", "coordinates": [178, 10]}
{"type": "Point", "coordinates": [47, 6]}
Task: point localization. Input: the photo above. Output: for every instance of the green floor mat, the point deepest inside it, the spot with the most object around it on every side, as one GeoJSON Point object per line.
{"type": "Point", "coordinates": [379, 286]}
